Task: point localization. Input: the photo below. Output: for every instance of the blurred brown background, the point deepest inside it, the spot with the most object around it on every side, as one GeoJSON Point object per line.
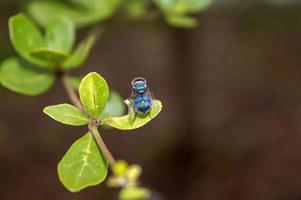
{"type": "Point", "coordinates": [231, 124]}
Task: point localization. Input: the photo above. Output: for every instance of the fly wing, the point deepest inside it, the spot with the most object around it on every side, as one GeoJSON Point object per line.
{"type": "Point", "coordinates": [153, 99]}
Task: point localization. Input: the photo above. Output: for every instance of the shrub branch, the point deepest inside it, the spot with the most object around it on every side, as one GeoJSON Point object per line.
{"type": "Point", "coordinates": [92, 125]}
{"type": "Point", "coordinates": [71, 93]}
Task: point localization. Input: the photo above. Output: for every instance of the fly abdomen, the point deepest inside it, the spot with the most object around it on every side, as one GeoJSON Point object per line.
{"type": "Point", "coordinates": [142, 104]}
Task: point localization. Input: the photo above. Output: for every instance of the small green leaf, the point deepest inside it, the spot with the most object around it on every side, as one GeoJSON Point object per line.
{"type": "Point", "coordinates": [83, 165]}
{"type": "Point", "coordinates": [25, 37]}
{"type": "Point", "coordinates": [181, 21]}
{"type": "Point", "coordinates": [136, 8]}
{"type": "Point", "coordinates": [127, 123]}
{"type": "Point", "coordinates": [24, 34]}
{"type": "Point", "coordinates": [82, 12]}
{"type": "Point", "coordinates": [198, 5]}
{"type": "Point", "coordinates": [94, 93]}
{"type": "Point", "coordinates": [22, 77]}
{"type": "Point", "coordinates": [100, 9]}
{"type": "Point", "coordinates": [115, 106]}
{"type": "Point", "coordinates": [80, 54]}
{"type": "Point", "coordinates": [183, 6]}
{"type": "Point", "coordinates": [176, 11]}
{"type": "Point", "coordinates": [165, 4]}
{"type": "Point", "coordinates": [86, 4]}
{"type": "Point", "coordinates": [51, 57]}
{"type": "Point", "coordinates": [67, 114]}
{"type": "Point", "coordinates": [60, 35]}
{"type": "Point", "coordinates": [43, 12]}
{"type": "Point", "coordinates": [104, 7]}
{"type": "Point", "coordinates": [134, 193]}
{"type": "Point", "coordinates": [50, 52]}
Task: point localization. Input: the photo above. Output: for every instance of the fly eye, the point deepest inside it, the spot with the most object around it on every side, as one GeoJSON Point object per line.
{"type": "Point", "coordinates": [141, 85]}
{"type": "Point", "coordinates": [138, 79]}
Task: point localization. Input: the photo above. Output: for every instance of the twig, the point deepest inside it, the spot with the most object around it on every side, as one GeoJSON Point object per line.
{"type": "Point", "coordinates": [104, 149]}
{"type": "Point", "coordinates": [71, 93]}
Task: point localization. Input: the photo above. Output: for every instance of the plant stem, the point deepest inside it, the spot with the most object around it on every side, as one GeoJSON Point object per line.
{"type": "Point", "coordinates": [71, 93]}
{"type": "Point", "coordinates": [104, 149]}
{"type": "Point", "coordinates": [92, 126]}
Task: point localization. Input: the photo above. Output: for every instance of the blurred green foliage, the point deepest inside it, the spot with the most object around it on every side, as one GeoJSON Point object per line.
{"type": "Point", "coordinates": [44, 37]}
{"type": "Point", "coordinates": [177, 11]}
{"type": "Point", "coordinates": [82, 12]}
{"type": "Point", "coordinates": [25, 78]}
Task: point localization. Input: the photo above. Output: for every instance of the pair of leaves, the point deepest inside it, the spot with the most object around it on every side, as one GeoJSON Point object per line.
{"type": "Point", "coordinates": [54, 49]}
{"type": "Point", "coordinates": [83, 165]}
{"type": "Point", "coordinates": [82, 12]}
{"type": "Point", "coordinates": [41, 54]}
{"type": "Point", "coordinates": [94, 95]}
{"type": "Point", "coordinates": [70, 115]}
{"type": "Point", "coordinates": [176, 11]}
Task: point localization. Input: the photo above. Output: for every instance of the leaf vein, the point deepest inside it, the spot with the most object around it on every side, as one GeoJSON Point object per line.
{"type": "Point", "coordinates": [84, 160]}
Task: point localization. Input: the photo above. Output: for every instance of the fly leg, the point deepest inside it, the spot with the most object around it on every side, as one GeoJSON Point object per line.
{"type": "Point", "coordinates": [135, 115]}
{"type": "Point", "coordinates": [132, 115]}
{"type": "Point", "coordinates": [149, 115]}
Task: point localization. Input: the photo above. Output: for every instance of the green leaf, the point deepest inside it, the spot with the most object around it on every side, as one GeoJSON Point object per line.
{"type": "Point", "coordinates": [60, 35]}
{"type": "Point", "coordinates": [86, 4]}
{"type": "Point", "coordinates": [50, 52]}
{"type": "Point", "coordinates": [134, 193]}
{"type": "Point", "coordinates": [136, 8]}
{"type": "Point", "coordinates": [126, 122]}
{"type": "Point", "coordinates": [83, 165]}
{"type": "Point", "coordinates": [80, 54]}
{"type": "Point", "coordinates": [94, 93]}
{"type": "Point", "coordinates": [181, 21]}
{"type": "Point", "coordinates": [198, 5]}
{"type": "Point", "coordinates": [105, 7]}
{"type": "Point", "coordinates": [183, 6]}
{"type": "Point", "coordinates": [165, 4]}
{"type": "Point", "coordinates": [67, 114]}
{"type": "Point", "coordinates": [176, 11]}
{"type": "Point", "coordinates": [24, 34]}
{"type": "Point", "coordinates": [50, 57]}
{"type": "Point", "coordinates": [115, 106]}
{"type": "Point", "coordinates": [22, 77]}
{"type": "Point", "coordinates": [25, 37]}
{"type": "Point", "coordinates": [82, 12]}
{"type": "Point", "coordinates": [43, 12]}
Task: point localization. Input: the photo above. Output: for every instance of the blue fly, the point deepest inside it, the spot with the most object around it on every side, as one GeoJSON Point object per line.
{"type": "Point", "coordinates": [141, 98]}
